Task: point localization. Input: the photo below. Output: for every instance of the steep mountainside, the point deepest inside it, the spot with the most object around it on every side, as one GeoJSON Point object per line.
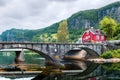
{"type": "Point", "coordinates": [76, 25]}
{"type": "Point", "coordinates": [92, 17]}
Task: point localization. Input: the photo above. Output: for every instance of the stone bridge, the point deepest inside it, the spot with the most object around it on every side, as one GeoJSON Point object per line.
{"type": "Point", "coordinates": [49, 50]}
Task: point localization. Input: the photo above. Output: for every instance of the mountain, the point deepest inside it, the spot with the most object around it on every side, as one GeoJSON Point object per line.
{"type": "Point", "coordinates": [76, 25]}
{"type": "Point", "coordinates": [92, 17]}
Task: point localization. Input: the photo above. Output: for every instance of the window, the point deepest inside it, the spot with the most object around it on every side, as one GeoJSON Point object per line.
{"type": "Point", "coordinates": [102, 37]}
{"type": "Point", "coordinates": [97, 37]}
{"type": "Point", "coordinates": [87, 37]}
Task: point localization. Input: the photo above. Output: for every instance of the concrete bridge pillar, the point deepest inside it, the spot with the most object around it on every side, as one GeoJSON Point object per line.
{"type": "Point", "coordinates": [19, 57]}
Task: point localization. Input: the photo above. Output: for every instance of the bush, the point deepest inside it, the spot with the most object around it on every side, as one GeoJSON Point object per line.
{"type": "Point", "coordinates": [111, 54]}
{"type": "Point", "coordinates": [106, 55]}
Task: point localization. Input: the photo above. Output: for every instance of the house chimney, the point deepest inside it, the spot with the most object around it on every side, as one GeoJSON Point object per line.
{"type": "Point", "coordinates": [91, 27]}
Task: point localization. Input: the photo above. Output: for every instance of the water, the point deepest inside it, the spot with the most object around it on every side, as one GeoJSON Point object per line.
{"type": "Point", "coordinates": [84, 71]}
{"type": "Point", "coordinates": [62, 70]}
{"type": "Point", "coordinates": [73, 70]}
{"type": "Point", "coordinates": [3, 78]}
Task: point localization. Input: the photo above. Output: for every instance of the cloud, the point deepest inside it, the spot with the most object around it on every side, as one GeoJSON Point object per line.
{"type": "Point", "coordinates": [63, 0]}
{"type": "Point", "coordinates": [36, 14]}
{"type": "Point", "coordinates": [3, 2]}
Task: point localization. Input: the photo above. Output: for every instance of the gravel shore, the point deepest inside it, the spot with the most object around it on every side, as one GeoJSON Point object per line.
{"type": "Point", "coordinates": [102, 60]}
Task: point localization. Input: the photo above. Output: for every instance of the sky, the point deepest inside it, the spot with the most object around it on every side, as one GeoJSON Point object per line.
{"type": "Point", "coordinates": [37, 14]}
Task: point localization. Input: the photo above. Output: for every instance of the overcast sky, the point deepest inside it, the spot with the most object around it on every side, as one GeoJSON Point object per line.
{"type": "Point", "coordinates": [36, 14]}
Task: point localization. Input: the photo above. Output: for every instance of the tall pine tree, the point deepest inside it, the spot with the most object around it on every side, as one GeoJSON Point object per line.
{"type": "Point", "coordinates": [62, 33]}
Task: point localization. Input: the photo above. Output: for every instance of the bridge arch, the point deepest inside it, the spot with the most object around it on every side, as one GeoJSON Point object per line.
{"type": "Point", "coordinates": [80, 53]}
{"type": "Point", "coordinates": [41, 53]}
{"type": "Point", "coordinates": [47, 57]}
{"type": "Point", "coordinates": [91, 52]}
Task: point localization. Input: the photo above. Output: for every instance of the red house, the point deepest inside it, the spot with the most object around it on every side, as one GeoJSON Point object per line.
{"type": "Point", "coordinates": [93, 36]}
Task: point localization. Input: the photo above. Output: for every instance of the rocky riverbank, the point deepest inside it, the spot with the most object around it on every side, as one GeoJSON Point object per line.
{"type": "Point", "coordinates": [102, 60]}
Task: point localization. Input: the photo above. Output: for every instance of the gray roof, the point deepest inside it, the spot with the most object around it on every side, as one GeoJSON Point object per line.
{"type": "Point", "coordinates": [94, 31]}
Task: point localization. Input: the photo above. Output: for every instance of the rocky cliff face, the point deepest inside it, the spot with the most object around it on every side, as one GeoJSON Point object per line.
{"type": "Point", "coordinates": [113, 12]}
{"type": "Point", "coordinates": [86, 18]}
{"type": "Point", "coordinates": [83, 19]}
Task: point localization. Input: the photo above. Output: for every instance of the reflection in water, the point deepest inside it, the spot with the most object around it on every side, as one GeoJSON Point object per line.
{"type": "Point", "coordinates": [71, 70]}
{"type": "Point", "coordinates": [74, 70]}
{"type": "Point", "coordinates": [49, 74]}
{"type": "Point", "coordinates": [38, 69]}
{"type": "Point", "coordinates": [2, 78]}
{"type": "Point", "coordinates": [111, 71]}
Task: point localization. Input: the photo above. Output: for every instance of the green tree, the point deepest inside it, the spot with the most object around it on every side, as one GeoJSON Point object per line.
{"type": "Point", "coordinates": [62, 33]}
{"type": "Point", "coordinates": [117, 32]}
{"type": "Point", "coordinates": [108, 26]}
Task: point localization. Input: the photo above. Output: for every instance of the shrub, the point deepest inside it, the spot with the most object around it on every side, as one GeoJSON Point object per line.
{"type": "Point", "coordinates": [106, 55]}
{"type": "Point", "coordinates": [111, 54]}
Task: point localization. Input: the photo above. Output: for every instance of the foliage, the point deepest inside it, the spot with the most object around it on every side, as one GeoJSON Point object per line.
{"type": "Point", "coordinates": [88, 14]}
{"type": "Point", "coordinates": [107, 55]}
{"type": "Point", "coordinates": [62, 33]}
{"type": "Point", "coordinates": [108, 26]}
{"type": "Point", "coordinates": [117, 32]}
{"type": "Point", "coordinates": [115, 66]}
{"type": "Point", "coordinates": [111, 54]}
{"type": "Point", "coordinates": [117, 37]}
{"type": "Point", "coordinates": [18, 35]}
{"type": "Point", "coordinates": [45, 38]}
{"type": "Point", "coordinates": [74, 34]}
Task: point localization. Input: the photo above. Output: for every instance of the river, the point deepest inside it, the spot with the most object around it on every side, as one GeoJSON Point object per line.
{"type": "Point", "coordinates": [37, 68]}
{"type": "Point", "coordinates": [73, 70]}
